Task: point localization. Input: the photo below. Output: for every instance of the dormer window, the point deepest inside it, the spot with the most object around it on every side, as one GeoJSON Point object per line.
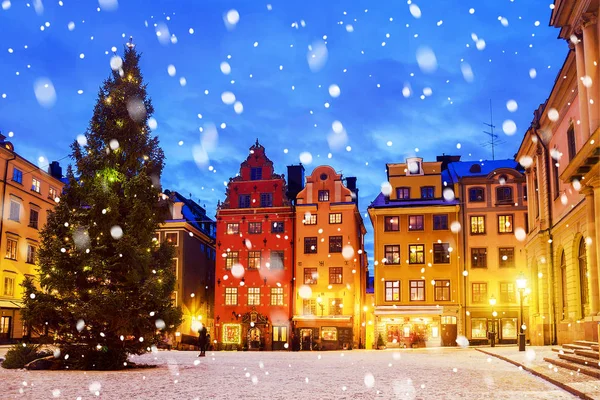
{"type": "Point", "coordinates": [414, 166]}
{"type": "Point", "coordinates": [256, 174]}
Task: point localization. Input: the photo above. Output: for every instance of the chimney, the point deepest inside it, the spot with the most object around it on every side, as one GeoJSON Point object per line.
{"type": "Point", "coordinates": [446, 159]}
{"type": "Point", "coordinates": [295, 182]}
{"type": "Point", "coordinates": [351, 184]}
{"type": "Point", "coordinates": [55, 170]}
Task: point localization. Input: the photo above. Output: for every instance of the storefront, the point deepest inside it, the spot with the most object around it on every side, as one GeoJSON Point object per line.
{"type": "Point", "coordinates": [480, 325]}
{"type": "Point", "coordinates": [11, 325]}
{"type": "Point", "coordinates": [324, 333]}
{"type": "Point", "coordinates": [407, 327]}
{"type": "Point", "coordinates": [254, 332]}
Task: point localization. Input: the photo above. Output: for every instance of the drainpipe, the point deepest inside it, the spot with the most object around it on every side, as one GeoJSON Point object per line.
{"type": "Point", "coordinates": [551, 245]}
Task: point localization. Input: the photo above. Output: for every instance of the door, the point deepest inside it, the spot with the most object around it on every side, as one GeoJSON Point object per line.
{"type": "Point", "coordinates": [254, 339]}
{"type": "Point", "coordinates": [5, 328]}
{"type": "Point", "coordinates": [280, 337]}
{"type": "Point", "coordinates": [306, 339]}
{"type": "Point", "coordinates": [449, 331]}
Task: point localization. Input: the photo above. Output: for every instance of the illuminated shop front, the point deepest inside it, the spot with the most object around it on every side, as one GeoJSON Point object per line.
{"type": "Point", "coordinates": [324, 333]}
{"type": "Point", "coordinates": [481, 323]}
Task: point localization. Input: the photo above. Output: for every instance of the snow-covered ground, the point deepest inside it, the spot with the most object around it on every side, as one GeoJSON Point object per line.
{"type": "Point", "coordinates": [358, 374]}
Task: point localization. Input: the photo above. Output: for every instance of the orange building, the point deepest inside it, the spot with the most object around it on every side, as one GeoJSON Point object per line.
{"type": "Point", "coordinates": [330, 263]}
{"type": "Point", "coordinates": [254, 265]}
{"type": "Point", "coordinates": [28, 195]}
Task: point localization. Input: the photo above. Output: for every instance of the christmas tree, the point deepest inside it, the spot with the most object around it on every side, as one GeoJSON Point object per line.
{"type": "Point", "coordinates": [104, 285]}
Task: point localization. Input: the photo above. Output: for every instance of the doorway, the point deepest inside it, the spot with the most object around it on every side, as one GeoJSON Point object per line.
{"type": "Point", "coordinates": [306, 339]}
{"type": "Point", "coordinates": [280, 337]}
{"type": "Point", "coordinates": [449, 331]}
{"type": "Point", "coordinates": [254, 336]}
{"type": "Point", "coordinates": [5, 328]}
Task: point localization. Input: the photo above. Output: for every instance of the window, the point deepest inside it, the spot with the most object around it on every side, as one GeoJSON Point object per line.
{"type": "Point", "coordinates": [276, 260]}
{"type": "Point", "coordinates": [36, 185]}
{"type": "Point", "coordinates": [310, 219]}
{"type": "Point", "coordinates": [476, 195]}
{"type": "Point", "coordinates": [232, 333]}
{"type": "Point", "coordinates": [233, 257]}
{"type": "Point", "coordinates": [335, 275]}
{"type": "Point", "coordinates": [244, 201]}
{"type": "Point", "coordinates": [571, 142]}
{"type": "Point", "coordinates": [440, 222]}
{"type": "Point", "coordinates": [442, 290]}
{"type": "Point", "coordinates": [33, 218]}
{"type": "Point", "coordinates": [336, 307]}
{"type": "Point", "coordinates": [555, 178]}
{"type": "Point", "coordinates": [505, 223]}
{"type": "Point", "coordinates": [478, 225]}
{"type": "Point", "coordinates": [52, 193]}
{"type": "Point", "coordinates": [415, 223]}
{"type": "Point", "coordinates": [233, 229]}
{"type": "Point", "coordinates": [276, 296]}
{"type": "Point", "coordinates": [266, 200]}
{"type": "Point", "coordinates": [173, 238]}
{"type": "Point", "coordinates": [31, 250]}
{"type": "Point", "coordinates": [309, 307]}
{"type": "Point", "coordinates": [392, 290]}
{"type": "Point", "coordinates": [231, 296]}
{"type": "Point", "coordinates": [478, 258]}
{"type": "Point", "coordinates": [392, 254]}
{"type": "Point", "coordinates": [417, 290]}
{"type": "Point", "coordinates": [329, 333]}
{"type": "Point", "coordinates": [15, 210]}
{"type": "Point", "coordinates": [583, 276]}
{"type": "Point", "coordinates": [256, 174]}
{"type": "Point", "coordinates": [11, 248]}
{"type": "Point", "coordinates": [508, 327]}
{"type": "Point", "coordinates": [416, 254]}
{"type": "Point", "coordinates": [253, 259]}
{"type": "Point", "coordinates": [253, 296]}
{"type": "Point", "coordinates": [504, 194]}
{"type": "Point", "coordinates": [17, 176]}
{"type": "Point", "coordinates": [335, 218]}
{"type": "Point", "coordinates": [156, 238]}
{"type": "Point", "coordinates": [507, 292]}
{"type": "Point", "coordinates": [9, 286]}
{"type": "Point", "coordinates": [478, 328]}
{"type": "Point", "coordinates": [507, 259]}
{"type": "Point", "coordinates": [427, 192]}
{"type": "Point", "coordinates": [563, 284]}
{"type": "Point", "coordinates": [277, 227]}
{"type": "Point", "coordinates": [323, 195]}
{"type": "Point", "coordinates": [254, 228]}
{"type": "Point", "coordinates": [441, 253]}
{"type": "Point", "coordinates": [403, 193]}
{"type": "Point", "coordinates": [479, 292]}
{"type": "Point", "coordinates": [335, 244]}
{"type": "Point", "coordinates": [310, 245]}
{"type": "Point", "coordinates": [392, 224]}
{"type": "Point", "coordinates": [310, 276]}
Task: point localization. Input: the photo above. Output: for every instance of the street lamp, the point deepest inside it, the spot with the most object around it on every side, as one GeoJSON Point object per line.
{"type": "Point", "coordinates": [320, 302]}
{"type": "Point", "coordinates": [521, 284]}
{"type": "Point", "coordinates": [493, 333]}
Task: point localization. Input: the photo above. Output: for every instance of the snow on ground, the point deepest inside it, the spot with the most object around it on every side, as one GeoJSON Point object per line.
{"type": "Point", "coordinates": [357, 374]}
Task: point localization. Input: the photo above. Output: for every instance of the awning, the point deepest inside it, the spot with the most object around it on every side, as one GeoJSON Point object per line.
{"type": "Point", "coordinates": [409, 310]}
{"type": "Point", "coordinates": [11, 304]}
{"type": "Point", "coordinates": [322, 318]}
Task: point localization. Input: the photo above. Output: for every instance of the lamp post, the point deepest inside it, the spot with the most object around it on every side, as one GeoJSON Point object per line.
{"type": "Point", "coordinates": [320, 302]}
{"type": "Point", "coordinates": [493, 333]}
{"type": "Point", "coordinates": [521, 284]}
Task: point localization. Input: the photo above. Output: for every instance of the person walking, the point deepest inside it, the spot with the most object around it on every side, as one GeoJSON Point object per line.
{"type": "Point", "coordinates": [208, 342]}
{"type": "Point", "coordinates": [202, 333]}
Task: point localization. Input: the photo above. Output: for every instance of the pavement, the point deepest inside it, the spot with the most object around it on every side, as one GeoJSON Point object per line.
{"type": "Point", "coordinates": [532, 360]}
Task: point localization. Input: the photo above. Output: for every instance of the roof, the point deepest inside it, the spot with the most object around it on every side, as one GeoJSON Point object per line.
{"type": "Point", "coordinates": [381, 201]}
{"type": "Point", "coordinates": [194, 214]}
{"type": "Point", "coordinates": [462, 169]}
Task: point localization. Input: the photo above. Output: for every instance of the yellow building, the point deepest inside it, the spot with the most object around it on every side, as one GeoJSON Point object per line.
{"type": "Point", "coordinates": [192, 234]}
{"type": "Point", "coordinates": [417, 258]}
{"type": "Point", "coordinates": [561, 154]}
{"type": "Point", "coordinates": [28, 194]}
{"type": "Point", "coordinates": [493, 217]}
{"type": "Point", "coordinates": [330, 263]}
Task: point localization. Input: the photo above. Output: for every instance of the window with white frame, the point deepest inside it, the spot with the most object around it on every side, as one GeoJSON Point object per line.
{"type": "Point", "coordinates": [36, 185]}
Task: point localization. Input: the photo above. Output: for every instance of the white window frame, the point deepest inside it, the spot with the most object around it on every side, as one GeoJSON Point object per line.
{"type": "Point", "coordinates": [176, 244]}
{"type": "Point", "coordinates": [36, 185]}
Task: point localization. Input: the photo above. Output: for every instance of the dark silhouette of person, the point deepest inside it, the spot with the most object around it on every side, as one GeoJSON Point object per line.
{"type": "Point", "coordinates": [208, 342]}
{"type": "Point", "coordinates": [202, 340]}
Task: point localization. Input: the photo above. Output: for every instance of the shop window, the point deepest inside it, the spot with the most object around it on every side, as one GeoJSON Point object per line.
{"type": "Point", "coordinates": [309, 219]}
{"type": "Point", "coordinates": [508, 328]}
{"type": "Point", "coordinates": [479, 292]}
{"type": "Point", "coordinates": [442, 290]}
{"type": "Point", "coordinates": [329, 333]}
{"type": "Point", "coordinates": [172, 238]}
{"type": "Point", "coordinates": [232, 333]}
{"type": "Point", "coordinates": [403, 193]}
{"type": "Point", "coordinates": [310, 276]}
{"type": "Point", "coordinates": [280, 333]}
{"type": "Point", "coordinates": [478, 328]}
{"type": "Point", "coordinates": [323, 195]}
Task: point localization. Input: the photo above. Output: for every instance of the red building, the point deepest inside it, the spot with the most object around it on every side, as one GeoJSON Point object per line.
{"type": "Point", "coordinates": [254, 266]}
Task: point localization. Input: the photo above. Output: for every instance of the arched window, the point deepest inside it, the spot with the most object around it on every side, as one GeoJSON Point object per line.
{"type": "Point", "coordinates": [563, 284]}
{"type": "Point", "coordinates": [583, 279]}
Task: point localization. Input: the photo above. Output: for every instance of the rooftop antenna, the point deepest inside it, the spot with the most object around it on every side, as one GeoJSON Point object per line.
{"type": "Point", "coordinates": [493, 142]}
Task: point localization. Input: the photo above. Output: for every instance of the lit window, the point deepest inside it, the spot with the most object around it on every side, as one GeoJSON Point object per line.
{"type": "Point", "coordinates": [35, 185]}
{"type": "Point", "coordinates": [253, 296]}
{"type": "Point", "coordinates": [336, 306]}
{"type": "Point", "coordinates": [505, 223]}
{"type": "Point", "coordinates": [253, 259]}
{"type": "Point", "coordinates": [392, 254]}
{"type": "Point", "coordinates": [31, 250]}
{"type": "Point", "coordinates": [231, 296]}
{"type": "Point", "coordinates": [507, 292]}
{"type": "Point", "coordinates": [507, 257]}
{"type": "Point", "coordinates": [233, 257]}
{"type": "Point", "coordinates": [309, 307]}
{"type": "Point", "coordinates": [9, 286]}
{"type": "Point", "coordinates": [52, 193]}
{"type": "Point", "coordinates": [415, 223]}
{"type": "Point", "coordinates": [416, 254]}
{"type": "Point", "coordinates": [335, 275]}
{"type": "Point", "coordinates": [310, 219]}
{"type": "Point", "coordinates": [329, 333]}
{"type": "Point", "coordinates": [173, 238]}
{"type": "Point", "coordinates": [254, 228]}
{"type": "Point", "coordinates": [478, 225]}
{"type": "Point", "coordinates": [392, 224]}
{"type": "Point", "coordinates": [277, 296]}
{"type": "Point", "coordinates": [392, 291]}
{"type": "Point", "coordinates": [335, 218]}
{"type": "Point", "coordinates": [233, 229]}
{"type": "Point", "coordinates": [417, 290]}
{"type": "Point", "coordinates": [232, 333]}
{"type": "Point", "coordinates": [323, 195]}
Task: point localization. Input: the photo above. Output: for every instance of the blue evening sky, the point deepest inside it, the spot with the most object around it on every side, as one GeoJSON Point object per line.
{"type": "Point", "coordinates": [284, 101]}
